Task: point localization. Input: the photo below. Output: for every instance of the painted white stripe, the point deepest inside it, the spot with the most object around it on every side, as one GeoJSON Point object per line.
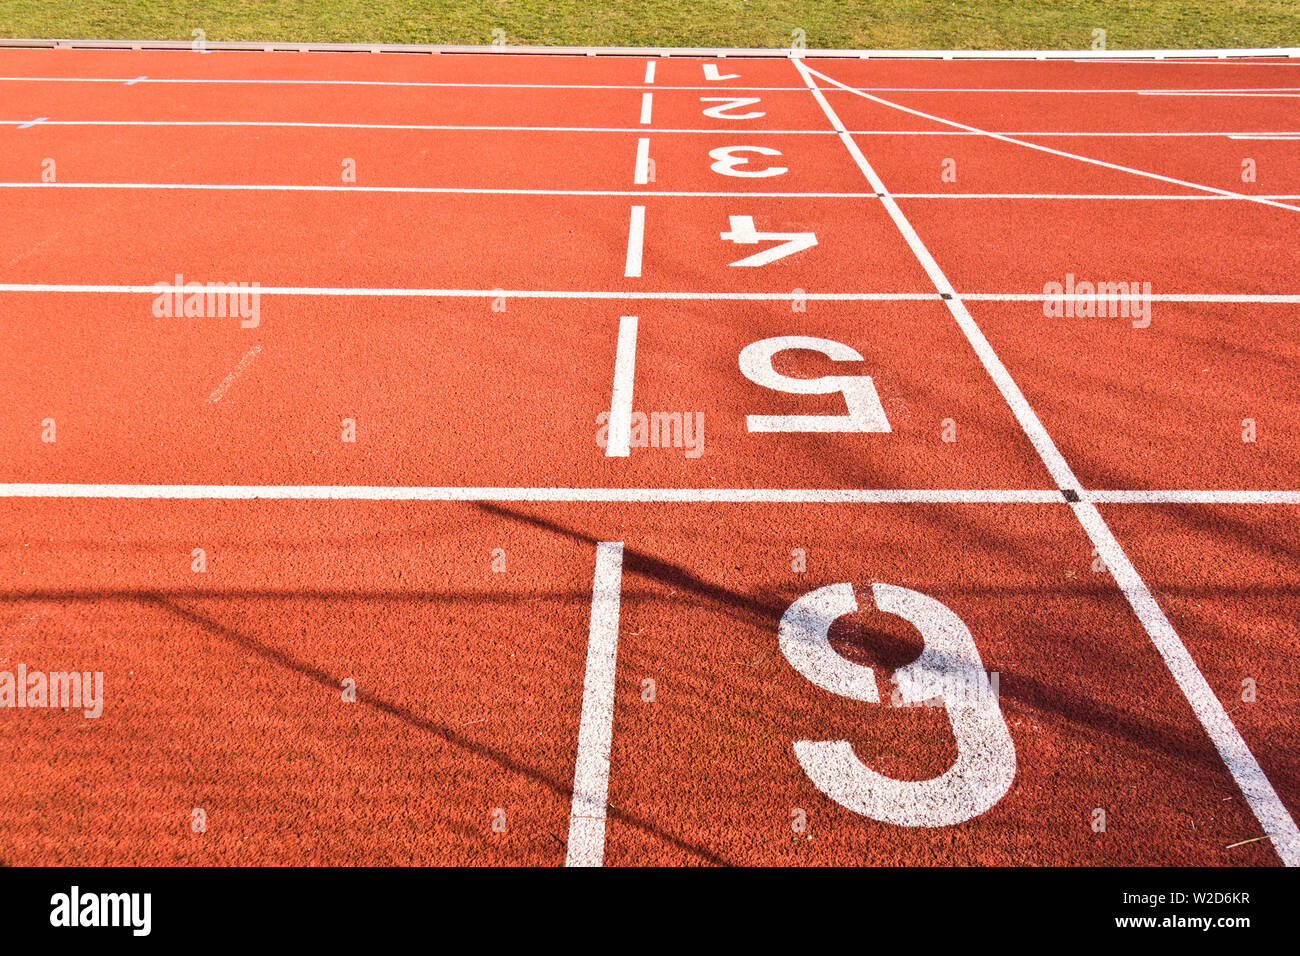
{"type": "Point", "coordinates": [344, 292]}
{"type": "Point", "coordinates": [1141, 197]}
{"type": "Point", "coordinates": [1241, 763]}
{"type": "Point", "coordinates": [1285, 297]}
{"type": "Point", "coordinates": [642, 177]}
{"type": "Point", "coordinates": [1215, 93]}
{"type": "Point", "coordinates": [641, 172]}
{"type": "Point", "coordinates": [259, 124]}
{"type": "Point", "coordinates": [1262, 136]}
{"type": "Point", "coordinates": [1054, 152]}
{"type": "Point", "coordinates": [650, 78]}
{"type": "Point", "coordinates": [586, 845]}
{"type": "Point", "coordinates": [647, 105]}
{"type": "Point", "coordinates": [648, 495]}
{"type": "Point", "coordinates": [707, 131]}
{"type": "Point", "coordinates": [635, 240]}
{"type": "Point", "coordinates": [619, 437]}
{"type": "Point", "coordinates": [544, 494]}
{"type": "Point", "coordinates": [450, 190]}
{"type": "Point", "coordinates": [1190, 497]}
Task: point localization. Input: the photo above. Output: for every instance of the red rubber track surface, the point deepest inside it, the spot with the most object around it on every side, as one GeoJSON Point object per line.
{"type": "Point", "coordinates": [441, 244]}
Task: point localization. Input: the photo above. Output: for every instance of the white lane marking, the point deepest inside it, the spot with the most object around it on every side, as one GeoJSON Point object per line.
{"type": "Point", "coordinates": [635, 240]}
{"type": "Point", "coordinates": [430, 127]}
{"type": "Point", "coordinates": [619, 441]}
{"type": "Point", "coordinates": [1262, 136]}
{"type": "Point", "coordinates": [454, 190]}
{"type": "Point", "coordinates": [586, 845]}
{"type": "Point", "coordinates": [376, 292]}
{"type": "Point", "coordinates": [650, 495]}
{"type": "Point", "coordinates": [1241, 763]}
{"type": "Point", "coordinates": [1285, 297]}
{"type": "Point", "coordinates": [647, 106]}
{"type": "Point", "coordinates": [1143, 197]}
{"type": "Point", "coordinates": [1265, 93]}
{"type": "Point", "coordinates": [1217, 496]}
{"type": "Point", "coordinates": [712, 75]}
{"type": "Point", "coordinates": [709, 131]}
{"type": "Point", "coordinates": [1236, 755]}
{"type": "Point", "coordinates": [1003, 137]}
{"type": "Point", "coordinates": [545, 494]}
{"type": "Point", "coordinates": [641, 172]}
{"type": "Point", "coordinates": [650, 76]}
{"type": "Point", "coordinates": [744, 194]}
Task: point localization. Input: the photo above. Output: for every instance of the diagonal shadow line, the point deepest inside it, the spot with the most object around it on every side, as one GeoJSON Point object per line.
{"type": "Point", "coordinates": [398, 712]}
{"type": "Point", "coordinates": [638, 562]}
{"type": "Point", "coordinates": [1185, 745]}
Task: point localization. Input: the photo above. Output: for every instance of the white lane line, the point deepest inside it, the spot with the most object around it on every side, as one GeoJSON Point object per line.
{"type": "Point", "coordinates": [1263, 93]}
{"type": "Point", "coordinates": [451, 190]}
{"type": "Point", "coordinates": [1192, 497]}
{"type": "Point", "coordinates": [586, 845]}
{"type": "Point", "coordinates": [647, 105]}
{"type": "Point", "coordinates": [397, 83]}
{"type": "Point", "coordinates": [545, 494]}
{"type": "Point", "coordinates": [377, 292]}
{"type": "Point", "coordinates": [708, 131]}
{"type": "Point", "coordinates": [430, 127]}
{"type": "Point", "coordinates": [1241, 763]}
{"type": "Point", "coordinates": [1263, 136]}
{"type": "Point", "coordinates": [619, 437]}
{"type": "Point", "coordinates": [641, 172]}
{"type": "Point", "coordinates": [1003, 137]}
{"type": "Point", "coordinates": [345, 292]}
{"type": "Point", "coordinates": [868, 496]}
{"type": "Point", "coordinates": [635, 240]}
{"type": "Point", "coordinates": [649, 78]}
{"type": "Point", "coordinates": [1142, 197]}
{"type": "Point", "coordinates": [1284, 297]}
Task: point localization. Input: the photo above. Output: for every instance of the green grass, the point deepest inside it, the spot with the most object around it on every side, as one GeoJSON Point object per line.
{"type": "Point", "coordinates": [921, 24]}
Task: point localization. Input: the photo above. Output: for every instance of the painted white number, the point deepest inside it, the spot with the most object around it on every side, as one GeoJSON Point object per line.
{"type": "Point", "coordinates": [729, 163]}
{"type": "Point", "coordinates": [711, 73]}
{"type": "Point", "coordinates": [731, 103]}
{"type": "Point", "coordinates": [949, 667]}
{"type": "Point", "coordinates": [865, 411]}
{"type": "Point", "coordinates": [743, 233]}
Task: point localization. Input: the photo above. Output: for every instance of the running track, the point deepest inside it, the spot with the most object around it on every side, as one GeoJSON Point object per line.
{"type": "Point", "coordinates": [567, 649]}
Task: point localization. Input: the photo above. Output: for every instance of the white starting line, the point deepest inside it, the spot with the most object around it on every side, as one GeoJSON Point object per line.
{"type": "Point", "coordinates": [555, 495]}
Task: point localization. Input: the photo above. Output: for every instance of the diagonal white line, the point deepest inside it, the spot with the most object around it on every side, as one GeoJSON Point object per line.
{"type": "Point", "coordinates": [1241, 763]}
{"type": "Point", "coordinates": [1048, 149]}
